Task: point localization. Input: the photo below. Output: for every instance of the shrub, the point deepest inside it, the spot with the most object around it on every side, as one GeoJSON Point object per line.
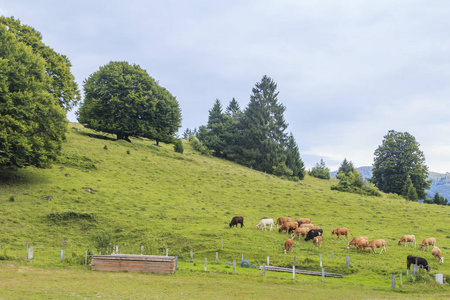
{"type": "Point", "coordinates": [178, 146]}
{"type": "Point", "coordinates": [103, 242]}
{"type": "Point", "coordinates": [197, 145]}
{"type": "Point", "coordinates": [320, 171]}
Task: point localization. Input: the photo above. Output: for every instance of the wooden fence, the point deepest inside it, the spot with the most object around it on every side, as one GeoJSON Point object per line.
{"type": "Point", "coordinates": [134, 263]}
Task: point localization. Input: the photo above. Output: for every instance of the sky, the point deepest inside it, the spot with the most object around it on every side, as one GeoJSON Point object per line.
{"type": "Point", "coordinates": [347, 71]}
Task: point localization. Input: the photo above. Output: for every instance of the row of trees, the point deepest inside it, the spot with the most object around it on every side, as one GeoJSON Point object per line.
{"type": "Point", "coordinates": [255, 137]}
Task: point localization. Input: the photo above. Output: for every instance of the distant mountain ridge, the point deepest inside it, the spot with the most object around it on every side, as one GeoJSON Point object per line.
{"type": "Point", "coordinates": [439, 182]}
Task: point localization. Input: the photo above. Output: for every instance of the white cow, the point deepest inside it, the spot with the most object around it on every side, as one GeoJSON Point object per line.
{"type": "Point", "coordinates": [265, 222]}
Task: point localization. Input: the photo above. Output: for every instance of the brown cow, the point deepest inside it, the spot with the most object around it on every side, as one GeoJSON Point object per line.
{"type": "Point", "coordinates": [310, 226]}
{"type": "Point", "coordinates": [374, 244]}
{"type": "Point", "coordinates": [237, 220]}
{"type": "Point", "coordinates": [282, 220]}
{"type": "Point", "coordinates": [305, 221]}
{"type": "Point", "coordinates": [288, 245]}
{"type": "Point", "coordinates": [340, 231]}
{"type": "Point", "coordinates": [427, 242]}
{"type": "Point", "coordinates": [288, 226]}
{"type": "Point", "coordinates": [300, 231]}
{"type": "Point", "coordinates": [317, 241]}
{"type": "Point", "coordinates": [408, 238]}
{"type": "Point", "coordinates": [359, 242]}
{"type": "Point", "coordinates": [437, 254]}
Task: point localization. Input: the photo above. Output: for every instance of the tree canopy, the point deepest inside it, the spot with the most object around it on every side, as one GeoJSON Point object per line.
{"type": "Point", "coordinates": [123, 99]}
{"type": "Point", "coordinates": [320, 171]}
{"type": "Point", "coordinates": [257, 136]}
{"type": "Point", "coordinates": [32, 119]}
{"type": "Point", "coordinates": [60, 81]}
{"type": "Point", "coordinates": [397, 160]}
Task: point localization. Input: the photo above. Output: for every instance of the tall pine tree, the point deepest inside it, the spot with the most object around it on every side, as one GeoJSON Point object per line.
{"type": "Point", "coordinates": [263, 137]}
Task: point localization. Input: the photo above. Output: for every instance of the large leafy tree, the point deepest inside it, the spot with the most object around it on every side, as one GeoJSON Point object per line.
{"type": "Point", "coordinates": [32, 119]}
{"type": "Point", "coordinates": [398, 159]}
{"type": "Point", "coordinates": [60, 81]}
{"type": "Point", "coordinates": [263, 128]}
{"type": "Point", "coordinates": [123, 99]}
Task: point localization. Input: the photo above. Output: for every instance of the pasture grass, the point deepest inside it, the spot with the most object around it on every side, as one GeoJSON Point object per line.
{"type": "Point", "coordinates": [140, 194]}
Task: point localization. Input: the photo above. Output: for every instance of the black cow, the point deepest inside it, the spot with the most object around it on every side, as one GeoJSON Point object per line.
{"type": "Point", "coordinates": [237, 220]}
{"type": "Point", "coordinates": [313, 233]}
{"type": "Point", "coordinates": [299, 223]}
{"type": "Point", "coordinates": [410, 260]}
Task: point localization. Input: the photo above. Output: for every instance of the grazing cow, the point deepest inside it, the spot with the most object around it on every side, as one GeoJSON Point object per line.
{"type": "Point", "coordinates": [288, 245]}
{"type": "Point", "coordinates": [300, 232]}
{"type": "Point", "coordinates": [408, 238]}
{"type": "Point", "coordinates": [358, 242]}
{"type": "Point", "coordinates": [237, 220]}
{"type": "Point", "coordinates": [299, 223]}
{"type": "Point", "coordinates": [427, 242]}
{"type": "Point", "coordinates": [303, 220]}
{"type": "Point", "coordinates": [288, 226]}
{"type": "Point", "coordinates": [419, 261]}
{"type": "Point", "coordinates": [313, 233]}
{"type": "Point", "coordinates": [340, 231]}
{"type": "Point", "coordinates": [437, 254]}
{"type": "Point", "coordinates": [317, 241]}
{"type": "Point", "coordinates": [307, 225]}
{"type": "Point", "coordinates": [374, 244]}
{"type": "Point", "coordinates": [264, 223]}
{"type": "Point", "coordinates": [282, 220]}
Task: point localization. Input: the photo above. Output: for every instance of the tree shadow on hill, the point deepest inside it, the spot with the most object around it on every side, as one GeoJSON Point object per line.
{"type": "Point", "coordinates": [107, 137]}
{"type": "Point", "coordinates": [11, 177]}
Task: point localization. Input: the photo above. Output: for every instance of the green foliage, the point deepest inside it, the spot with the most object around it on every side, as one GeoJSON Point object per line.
{"type": "Point", "coordinates": [104, 242]}
{"type": "Point", "coordinates": [60, 82]}
{"type": "Point", "coordinates": [178, 146]}
{"type": "Point", "coordinates": [123, 99]}
{"type": "Point", "coordinates": [281, 170]}
{"type": "Point", "coordinates": [409, 192]}
{"type": "Point", "coordinates": [320, 171]}
{"type": "Point", "coordinates": [352, 182]}
{"type": "Point", "coordinates": [32, 122]}
{"type": "Point", "coordinates": [396, 160]}
{"type": "Point", "coordinates": [346, 167]}
{"type": "Point", "coordinates": [197, 145]}
{"type": "Point", "coordinates": [12, 199]}
{"type": "Point", "coordinates": [437, 199]}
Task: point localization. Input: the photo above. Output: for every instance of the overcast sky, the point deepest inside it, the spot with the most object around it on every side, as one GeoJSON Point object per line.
{"type": "Point", "coordinates": [347, 71]}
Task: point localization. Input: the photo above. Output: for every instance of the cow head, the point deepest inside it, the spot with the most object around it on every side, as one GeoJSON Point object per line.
{"type": "Point", "coordinates": [333, 232]}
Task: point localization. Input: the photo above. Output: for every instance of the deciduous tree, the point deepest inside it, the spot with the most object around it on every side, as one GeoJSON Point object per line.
{"type": "Point", "coordinates": [123, 99]}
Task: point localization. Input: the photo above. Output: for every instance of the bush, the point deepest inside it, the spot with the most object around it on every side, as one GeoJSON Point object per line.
{"type": "Point", "coordinates": [178, 146]}
{"type": "Point", "coordinates": [103, 242]}
{"type": "Point", "coordinates": [320, 171]}
{"type": "Point", "coordinates": [197, 145]}
{"type": "Point", "coordinates": [281, 170]}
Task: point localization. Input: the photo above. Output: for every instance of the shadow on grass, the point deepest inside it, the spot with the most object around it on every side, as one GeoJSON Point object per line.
{"type": "Point", "coordinates": [98, 136]}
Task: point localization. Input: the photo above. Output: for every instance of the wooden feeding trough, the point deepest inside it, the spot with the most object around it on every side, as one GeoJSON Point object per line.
{"type": "Point", "coordinates": [134, 263]}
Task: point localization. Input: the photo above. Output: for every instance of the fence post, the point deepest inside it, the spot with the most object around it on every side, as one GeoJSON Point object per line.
{"type": "Point", "coordinates": [293, 272]}
{"type": "Point", "coordinates": [264, 270]}
{"type": "Point", "coordinates": [85, 259]}
{"type": "Point", "coordinates": [393, 281]}
{"type": "Point", "coordinates": [221, 244]}
{"type": "Point", "coordinates": [242, 256]}
{"type": "Point", "coordinates": [142, 250]}
{"type": "Point", "coordinates": [217, 257]}
{"type": "Point", "coordinates": [414, 269]}
{"type": "Point", "coordinates": [320, 260]}
{"type": "Point", "coordinates": [407, 275]}
{"type": "Point", "coordinates": [176, 262]}
{"type": "Point", "coordinates": [401, 279]}
{"type": "Point", "coordinates": [167, 251]}
{"type": "Point", "coordinates": [268, 261]}
{"type": "Point", "coordinates": [205, 263]}
{"type": "Point", "coordinates": [323, 274]}
{"type": "Point", "coordinates": [192, 256]}
{"type": "Point", "coordinates": [348, 261]}
{"type": "Point", "coordinates": [62, 254]}
{"type": "Point", "coordinates": [234, 266]}
{"type": "Point", "coordinates": [294, 259]}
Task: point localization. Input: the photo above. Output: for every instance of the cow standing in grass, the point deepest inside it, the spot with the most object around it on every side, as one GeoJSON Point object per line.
{"type": "Point", "coordinates": [237, 220]}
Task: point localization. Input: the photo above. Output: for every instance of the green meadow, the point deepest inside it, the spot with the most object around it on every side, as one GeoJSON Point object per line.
{"type": "Point", "coordinates": [144, 197]}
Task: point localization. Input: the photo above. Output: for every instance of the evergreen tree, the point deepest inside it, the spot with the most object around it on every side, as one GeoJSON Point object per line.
{"type": "Point", "coordinates": [320, 171]}
{"type": "Point", "coordinates": [233, 108]}
{"type": "Point", "coordinates": [346, 167]}
{"type": "Point", "coordinates": [263, 138]}
{"type": "Point", "coordinates": [213, 134]}
{"type": "Point", "coordinates": [293, 160]}
{"type": "Point", "coordinates": [396, 160]}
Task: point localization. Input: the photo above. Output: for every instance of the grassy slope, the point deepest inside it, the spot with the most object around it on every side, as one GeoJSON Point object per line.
{"type": "Point", "coordinates": [161, 199]}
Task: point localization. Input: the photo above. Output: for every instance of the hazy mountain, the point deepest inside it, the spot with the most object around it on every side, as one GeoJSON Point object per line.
{"type": "Point", "coordinates": [439, 182]}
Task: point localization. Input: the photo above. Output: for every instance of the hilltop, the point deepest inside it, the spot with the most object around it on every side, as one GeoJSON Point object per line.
{"type": "Point", "coordinates": [104, 191]}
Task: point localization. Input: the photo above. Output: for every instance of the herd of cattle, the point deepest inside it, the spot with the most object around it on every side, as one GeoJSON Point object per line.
{"type": "Point", "coordinates": [303, 227]}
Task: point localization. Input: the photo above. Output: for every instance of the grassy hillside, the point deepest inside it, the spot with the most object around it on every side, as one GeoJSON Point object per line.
{"type": "Point", "coordinates": [145, 195]}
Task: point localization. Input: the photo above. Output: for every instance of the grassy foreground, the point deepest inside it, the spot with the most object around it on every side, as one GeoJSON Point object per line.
{"type": "Point", "coordinates": [143, 195]}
